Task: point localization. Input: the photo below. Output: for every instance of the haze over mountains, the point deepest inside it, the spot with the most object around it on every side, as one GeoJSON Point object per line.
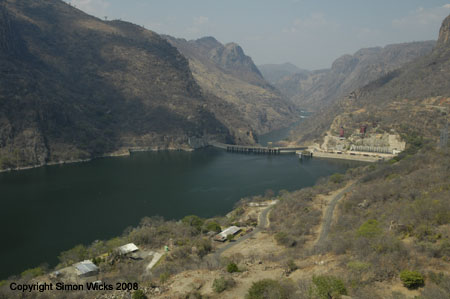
{"type": "Point", "coordinates": [315, 89]}
{"type": "Point", "coordinates": [413, 100]}
{"type": "Point", "coordinates": [275, 72]}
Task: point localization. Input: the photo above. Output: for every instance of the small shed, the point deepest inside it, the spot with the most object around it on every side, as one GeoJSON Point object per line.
{"type": "Point", "coordinates": [232, 230]}
{"type": "Point", "coordinates": [86, 268]}
{"type": "Point", "coordinates": [127, 248]}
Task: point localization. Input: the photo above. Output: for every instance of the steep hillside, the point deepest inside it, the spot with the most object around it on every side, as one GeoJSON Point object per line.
{"type": "Point", "coordinates": [276, 72]}
{"type": "Point", "coordinates": [74, 87]}
{"type": "Point", "coordinates": [226, 72]}
{"type": "Point", "coordinates": [413, 100]}
{"type": "Point", "coordinates": [316, 89]}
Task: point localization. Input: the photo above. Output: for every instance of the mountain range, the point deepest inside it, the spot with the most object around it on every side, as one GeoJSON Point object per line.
{"type": "Point", "coordinates": [314, 89]}
{"type": "Point", "coordinates": [413, 100]}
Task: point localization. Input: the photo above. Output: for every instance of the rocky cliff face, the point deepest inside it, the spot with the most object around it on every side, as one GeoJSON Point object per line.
{"type": "Point", "coordinates": [225, 72]}
{"type": "Point", "coordinates": [317, 89]}
{"type": "Point", "coordinates": [74, 87]}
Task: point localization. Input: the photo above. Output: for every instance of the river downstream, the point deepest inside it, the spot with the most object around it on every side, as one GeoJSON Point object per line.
{"type": "Point", "coordinates": [50, 209]}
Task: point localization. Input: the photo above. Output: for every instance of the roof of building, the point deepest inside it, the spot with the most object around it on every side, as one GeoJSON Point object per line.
{"type": "Point", "coordinates": [85, 267]}
{"type": "Point", "coordinates": [229, 231]}
{"type": "Point", "coordinates": [127, 248]}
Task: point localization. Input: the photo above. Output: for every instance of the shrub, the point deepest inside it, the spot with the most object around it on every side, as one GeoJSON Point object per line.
{"type": "Point", "coordinates": [337, 178]}
{"type": "Point", "coordinates": [31, 273]}
{"type": "Point", "coordinates": [328, 287]}
{"type": "Point", "coordinates": [358, 266]}
{"type": "Point", "coordinates": [369, 229]}
{"type": "Point", "coordinates": [411, 279]}
{"type": "Point", "coordinates": [270, 289]}
{"type": "Point", "coordinates": [230, 237]}
{"type": "Point", "coordinates": [163, 277]}
{"type": "Point", "coordinates": [222, 283]}
{"type": "Point", "coordinates": [78, 253]}
{"type": "Point", "coordinates": [213, 226]}
{"type": "Point", "coordinates": [284, 239]}
{"type": "Point", "coordinates": [193, 295]}
{"type": "Point", "coordinates": [291, 266]}
{"type": "Point", "coordinates": [204, 246]}
{"type": "Point", "coordinates": [194, 221]}
{"type": "Point", "coordinates": [232, 267]}
{"type": "Point", "coordinates": [139, 295]}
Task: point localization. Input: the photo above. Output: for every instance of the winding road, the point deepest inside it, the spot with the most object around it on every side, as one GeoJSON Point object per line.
{"type": "Point", "coordinates": [328, 217]}
{"type": "Point", "coordinates": [262, 224]}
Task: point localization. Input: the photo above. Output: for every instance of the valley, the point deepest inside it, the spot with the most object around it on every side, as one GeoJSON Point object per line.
{"type": "Point", "coordinates": [137, 164]}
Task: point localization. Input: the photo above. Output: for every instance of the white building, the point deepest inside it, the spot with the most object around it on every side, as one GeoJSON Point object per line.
{"type": "Point", "coordinates": [232, 230]}
{"type": "Point", "coordinates": [127, 248]}
{"type": "Point", "coordinates": [86, 268]}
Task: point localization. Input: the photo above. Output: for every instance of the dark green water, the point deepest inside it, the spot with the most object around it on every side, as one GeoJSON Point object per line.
{"type": "Point", "coordinates": [50, 209]}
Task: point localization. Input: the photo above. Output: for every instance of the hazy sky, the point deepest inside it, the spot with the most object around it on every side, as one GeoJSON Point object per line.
{"type": "Point", "coordinates": [308, 33]}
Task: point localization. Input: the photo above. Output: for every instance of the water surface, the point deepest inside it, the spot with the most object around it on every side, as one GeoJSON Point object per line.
{"type": "Point", "coordinates": [50, 209]}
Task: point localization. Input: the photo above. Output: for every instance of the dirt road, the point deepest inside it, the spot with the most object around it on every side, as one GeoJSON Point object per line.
{"type": "Point", "coordinates": [328, 217]}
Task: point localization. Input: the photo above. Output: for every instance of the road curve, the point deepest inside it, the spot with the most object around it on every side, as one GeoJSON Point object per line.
{"type": "Point", "coordinates": [328, 217]}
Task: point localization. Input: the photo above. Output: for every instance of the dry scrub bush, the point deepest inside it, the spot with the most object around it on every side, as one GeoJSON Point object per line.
{"type": "Point", "coordinates": [294, 217]}
{"type": "Point", "coordinates": [413, 202]}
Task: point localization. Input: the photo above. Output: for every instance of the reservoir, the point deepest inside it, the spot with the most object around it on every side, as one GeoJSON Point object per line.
{"type": "Point", "coordinates": [50, 209]}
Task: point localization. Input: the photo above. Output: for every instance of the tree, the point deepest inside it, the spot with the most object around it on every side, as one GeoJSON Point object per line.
{"type": "Point", "coordinates": [213, 226]}
{"type": "Point", "coordinates": [270, 289]}
{"type": "Point", "coordinates": [411, 279]}
{"type": "Point", "coordinates": [194, 221]}
{"type": "Point", "coordinates": [328, 287]}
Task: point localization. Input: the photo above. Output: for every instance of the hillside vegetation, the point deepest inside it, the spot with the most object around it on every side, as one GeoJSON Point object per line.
{"type": "Point", "coordinates": [226, 72]}
{"type": "Point", "coordinates": [75, 87]}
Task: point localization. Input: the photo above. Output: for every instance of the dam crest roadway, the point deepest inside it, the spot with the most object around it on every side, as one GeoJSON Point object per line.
{"type": "Point", "coordinates": [263, 150]}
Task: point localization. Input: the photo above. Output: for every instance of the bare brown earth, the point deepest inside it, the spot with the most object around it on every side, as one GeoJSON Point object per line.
{"type": "Point", "coordinates": [258, 257]}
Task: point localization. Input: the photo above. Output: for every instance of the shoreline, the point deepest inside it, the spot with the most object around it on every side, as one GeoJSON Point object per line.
{"type": "Point", "coordinates": [119, 153]}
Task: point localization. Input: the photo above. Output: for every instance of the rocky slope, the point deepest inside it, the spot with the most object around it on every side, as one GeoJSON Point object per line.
{"type": "Point", "coordinates": [312, 90]}
{"type": "Point", "coordinates": [413, 100]}
{"type": "Point", "coordinates": [75, 87]}
{"type": "Point", "coordinates": [227, 73]}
